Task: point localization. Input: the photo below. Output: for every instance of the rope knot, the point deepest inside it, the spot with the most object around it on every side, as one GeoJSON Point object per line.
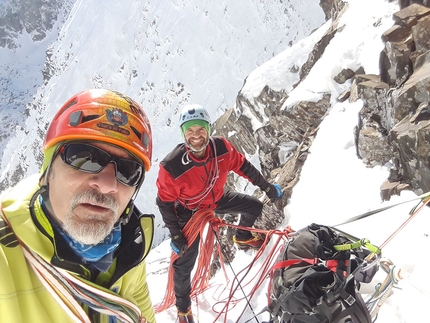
{"type": "Point", "coordinates": [216, 222]}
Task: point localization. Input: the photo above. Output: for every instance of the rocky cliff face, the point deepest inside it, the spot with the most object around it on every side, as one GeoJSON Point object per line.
{"type": "Point", "coordinates": [393, 124]}
{"type": "Point", "coordinates": [395, 119]}
{"type": "Point", "coordinates": [22, 63]}
{"type": "Point", "coordinates": [35, 17]}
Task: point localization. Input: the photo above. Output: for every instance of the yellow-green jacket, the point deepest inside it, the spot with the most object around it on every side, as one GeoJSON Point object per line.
{"type": "Point", "coordinates": [23, 297]}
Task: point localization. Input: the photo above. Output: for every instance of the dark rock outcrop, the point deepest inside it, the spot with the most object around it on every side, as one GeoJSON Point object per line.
{"type": "Point", "coordinates": [34, 17]}
{"type": "Point", "coordinates": [395, 116]}
{"type": "Point", "coordinates": [394, 122]}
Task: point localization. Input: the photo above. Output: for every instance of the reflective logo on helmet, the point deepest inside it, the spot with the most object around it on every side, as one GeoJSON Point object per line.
{"type": "Point", "coordinates": [113, 128]}
{"type": "Point", "coordinates": [193, 114]}
{"type": "Point", "coordinates": [117, 117]}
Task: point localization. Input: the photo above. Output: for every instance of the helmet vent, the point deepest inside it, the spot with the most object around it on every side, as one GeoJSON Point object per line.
{"type": "Point", "coordinates": [136, 132]}
{"type": "Point", "coordinates": [71, 103]}
{"type": "Point", "coordinates": [145, 140]}
{"type": "Point", "coordinates": [75, 118]}
{"type": "Point", "coordinates": [143, 137]}
{"type": "Point", "coordinates": [91, 117]}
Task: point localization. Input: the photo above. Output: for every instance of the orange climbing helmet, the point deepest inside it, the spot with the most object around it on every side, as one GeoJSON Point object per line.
{"type": "Point", "coordinates": [105, 116]}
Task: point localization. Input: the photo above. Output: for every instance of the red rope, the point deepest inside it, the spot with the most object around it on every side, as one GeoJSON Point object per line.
{"type": "Point", "coordinates": [195, 226]}
{"type": "Point", "coordinates": [260, 276]}
{"type": "Point", "coordinates": [198, 225]}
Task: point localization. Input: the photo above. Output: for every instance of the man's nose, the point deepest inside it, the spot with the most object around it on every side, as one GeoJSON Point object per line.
{"type": "Point", "coordinates": [105, 180]}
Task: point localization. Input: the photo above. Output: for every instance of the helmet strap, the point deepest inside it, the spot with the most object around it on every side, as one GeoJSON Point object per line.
{"type": "Point", "coordinates": [45, 174]}
{"type": "Point", "coordinates": [125, 216]}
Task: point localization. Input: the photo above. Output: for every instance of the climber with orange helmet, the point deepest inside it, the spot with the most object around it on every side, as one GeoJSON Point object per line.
{"type": "Point", "coordinates": [191, 178]}
{"type": "Point", "coordinates": [72, 243]}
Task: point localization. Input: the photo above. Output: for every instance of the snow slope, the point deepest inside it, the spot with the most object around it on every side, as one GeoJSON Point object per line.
{"type": "Point", "coordinates": [166, 53]}
{"type": "Point", "coordinates": [334, 184]}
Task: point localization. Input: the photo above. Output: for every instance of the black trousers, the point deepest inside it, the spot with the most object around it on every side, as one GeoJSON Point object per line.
{"type": "Point", "coordinates": [247, 206]}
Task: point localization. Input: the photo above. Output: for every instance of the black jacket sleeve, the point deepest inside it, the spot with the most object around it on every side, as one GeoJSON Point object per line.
{"type": "Point", "coordinates": [254, 175]}
{"type": "Point", "coordinates": [167, 210]}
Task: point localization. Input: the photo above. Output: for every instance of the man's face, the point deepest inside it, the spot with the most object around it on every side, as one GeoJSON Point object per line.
{"type": "Point", "coordinates": [196, 137]}
{"type": "Point", "coordinates": [88, 205]}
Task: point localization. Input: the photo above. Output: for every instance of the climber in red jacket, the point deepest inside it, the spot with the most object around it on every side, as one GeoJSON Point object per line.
{"type": "Point", "coordinates": [191, 178]}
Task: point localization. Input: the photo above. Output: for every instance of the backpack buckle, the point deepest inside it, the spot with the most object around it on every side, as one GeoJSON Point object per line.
{"type": "Point", "coordinates": [349, 300]}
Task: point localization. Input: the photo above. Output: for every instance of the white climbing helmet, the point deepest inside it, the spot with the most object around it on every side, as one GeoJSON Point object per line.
{"type": "Point", "coordinates": [193, 112]}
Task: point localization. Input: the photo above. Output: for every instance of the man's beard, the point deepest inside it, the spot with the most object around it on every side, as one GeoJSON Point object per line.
{"type": "Point", "coordinates": [91, 228]}
{"type": "Point", "coordinates": [199, 148]}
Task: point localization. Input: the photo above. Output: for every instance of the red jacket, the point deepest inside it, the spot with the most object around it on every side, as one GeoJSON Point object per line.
{"type": "Point", "coordinates": [198, 184]}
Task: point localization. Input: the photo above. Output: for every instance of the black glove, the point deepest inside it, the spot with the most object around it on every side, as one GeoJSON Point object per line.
{"type": "Point", "coordinates": [178, 243]}
{"type": "Point", "coordinates": [273, 191]}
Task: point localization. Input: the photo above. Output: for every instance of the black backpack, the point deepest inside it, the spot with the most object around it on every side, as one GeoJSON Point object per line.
{"type": "Point", "coordinates": [313, 282]}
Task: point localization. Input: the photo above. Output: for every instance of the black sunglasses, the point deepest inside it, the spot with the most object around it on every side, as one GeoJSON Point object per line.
{"type": "Point", "coordinates": [91, 159]}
